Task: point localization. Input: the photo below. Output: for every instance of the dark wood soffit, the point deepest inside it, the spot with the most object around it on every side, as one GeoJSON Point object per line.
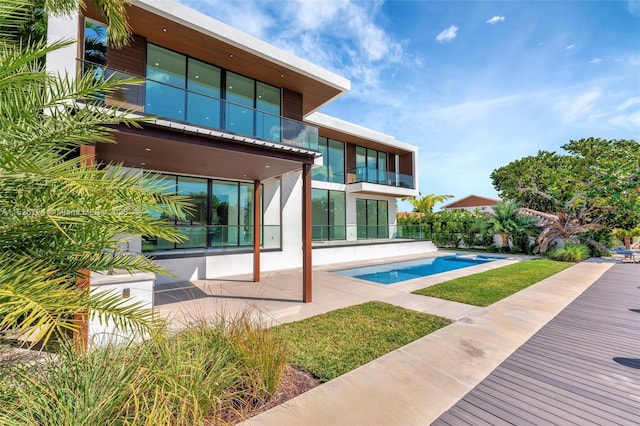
{"type": "Point", "coordinates": [195, 44]}
{"type": "Point", "coordinates": [149, 151]}
{"type": "Point", "coordinates": [161, 132]}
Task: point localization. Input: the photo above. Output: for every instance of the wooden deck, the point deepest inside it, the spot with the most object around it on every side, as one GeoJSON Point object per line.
{"type": "Point", "coordinates": [583, 367]}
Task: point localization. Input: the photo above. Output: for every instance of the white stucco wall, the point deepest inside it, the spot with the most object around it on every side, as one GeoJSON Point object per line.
{"type": "Point", "coordinates": [133, 288]}
{"type": "Point", "coordinates": [63, 60]}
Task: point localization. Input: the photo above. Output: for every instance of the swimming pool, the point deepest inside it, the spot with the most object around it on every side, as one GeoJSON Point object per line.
{"type": "Point", "coordinates": [391, 273]}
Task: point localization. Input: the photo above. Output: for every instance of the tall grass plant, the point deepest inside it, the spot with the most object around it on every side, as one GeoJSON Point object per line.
{"type": "Point", "coordinates": [208, 372]}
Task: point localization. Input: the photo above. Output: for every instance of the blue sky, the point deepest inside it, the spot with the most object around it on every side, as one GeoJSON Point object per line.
{"type": "Point", "coordinates": [475, 85]}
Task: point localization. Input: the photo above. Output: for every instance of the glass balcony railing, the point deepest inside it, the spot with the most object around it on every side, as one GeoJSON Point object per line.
{"type": "Point", "coordinates": [362, 234]}
{"type": "Point", "coordinates": [178, 104]}
{"type": "Point", "coordinates": [381, 177]}
{"type": "Point", "coordinates": [216, 237]}
{"type": "Point", "coordinates": [225, 237]}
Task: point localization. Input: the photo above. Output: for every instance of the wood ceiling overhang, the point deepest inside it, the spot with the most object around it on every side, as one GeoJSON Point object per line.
{"type": "Point", "coordinates": [173, 35]}
{"type": "Point", "coordinates": [169, 150]}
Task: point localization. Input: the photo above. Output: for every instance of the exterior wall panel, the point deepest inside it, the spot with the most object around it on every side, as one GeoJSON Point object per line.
{"type": "Point", "coordinates": [406, 164]}
{"type": "Point", "coordinates": [292, 105]}
{"type": "Point", "coordinates": [131, 59]}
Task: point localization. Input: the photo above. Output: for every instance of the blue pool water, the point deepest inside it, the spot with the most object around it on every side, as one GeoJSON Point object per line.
{"type": "Point", "coordinates": [391, 273]}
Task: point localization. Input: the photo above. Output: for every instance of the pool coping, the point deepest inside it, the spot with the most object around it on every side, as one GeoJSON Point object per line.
{"type": "Point", "coordinates": [405, 264]}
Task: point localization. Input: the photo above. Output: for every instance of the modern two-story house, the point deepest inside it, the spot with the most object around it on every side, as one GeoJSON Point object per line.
{"type": "Point", "coordinates": [235, 126]}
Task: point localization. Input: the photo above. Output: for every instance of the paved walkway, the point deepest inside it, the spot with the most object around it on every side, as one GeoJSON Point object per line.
{"type": "Point", "coordinates": [582, 368]}
{"type": "Point", "coordinates": [415, 384]}
{"type": "Point", "coordinates": [277, 298]}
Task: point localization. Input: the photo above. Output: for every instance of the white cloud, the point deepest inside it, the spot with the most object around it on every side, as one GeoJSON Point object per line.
{"type": "Point", "coordinates": [447, 35]}
{"type": "Point", "coordinates": [340, 35]}
{"type": "Point", "coordinates": [496, 19]}
{"type": "Point", "coordinates": [571, 46]}
{"type": "Point", "coordinates": [248, 15]}
{"type": "Point", "coordinates": [595, 61]}
{"type": "Point", "coordinates": [632, 101]}
{"type": "Point", "coordinates": [574, 108]}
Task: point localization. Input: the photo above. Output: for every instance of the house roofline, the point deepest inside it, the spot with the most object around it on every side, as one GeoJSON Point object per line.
{"type": "Point", "coordinates": [211, 27]}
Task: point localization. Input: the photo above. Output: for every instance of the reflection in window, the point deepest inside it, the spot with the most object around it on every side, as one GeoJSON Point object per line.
{"type": "Point", "coordinates": [371, 166]}
{"type": "Point", "coordinates": [328, 215]}
{"type": "Point", "coordinates": [332, 169]}
{"type": "Point", "coordinates": [166, 72]}
{"type": "Point", "coordinates": [194, 226]}
{"type": "Point", "coordinates": [95, 42]}
{"type": "Point", "coordinates": [186, 89]}
{"type": "Point", "coordinates": [222, 213]}
{"type": "Point", "coordinates": [372, 219]}
{"type": "Point", "coordinates": [239, 112]}
{"type": "Point", "coordinates": [203, 97]}
{"type": "Point", "coordinates": [268, 124]}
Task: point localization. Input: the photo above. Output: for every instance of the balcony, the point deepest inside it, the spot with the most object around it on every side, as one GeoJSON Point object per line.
{"type": "Point", "coordinates": [331, 235]}
{"type": "Point", "coordinates": [380, 177]}
{"type": "Point", "coordinates": [177, 104]}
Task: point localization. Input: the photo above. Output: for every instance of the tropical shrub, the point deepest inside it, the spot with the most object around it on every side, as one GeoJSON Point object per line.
{"type": "Point", "coordinates": [478, 233]}
{"type": "Point", "coordinates": [208, 372]}
{"type": "Point", "coordinates": [60, 215]}
{"type": "Point", "coordinates": [569, 253]}
{"type": "Point", "coordinates": [447, 237]}
{"type": "Point", "coordinates": [507, 221]}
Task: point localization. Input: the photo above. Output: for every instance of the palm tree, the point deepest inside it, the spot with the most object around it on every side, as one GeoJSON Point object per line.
{"type": "Point", "coordinates": [61, 215]}
{"type": "Point", "coordinates": [507, 221]}
{"type": "Point", "coordinates": [425, 203]}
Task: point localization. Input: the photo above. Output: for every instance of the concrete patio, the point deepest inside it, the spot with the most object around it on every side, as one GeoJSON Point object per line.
{"type": "Point", "coordinates": [277, 298]}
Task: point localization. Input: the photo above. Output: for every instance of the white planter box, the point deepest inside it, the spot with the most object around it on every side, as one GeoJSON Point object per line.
{"type": "Point", "coordinates": [136, 287]}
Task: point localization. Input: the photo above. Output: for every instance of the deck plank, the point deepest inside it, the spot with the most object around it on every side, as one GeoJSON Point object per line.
{"type": "Point", "coordinates": [567, 373]}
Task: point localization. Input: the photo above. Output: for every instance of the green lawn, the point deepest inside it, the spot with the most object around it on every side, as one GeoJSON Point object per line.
{"type": "Point", "coordinates": [334, 343]}
{"type": "Point", "coordinates": [488, 287]}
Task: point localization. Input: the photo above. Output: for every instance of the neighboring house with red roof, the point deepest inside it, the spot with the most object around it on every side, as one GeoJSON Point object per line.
{"type": "Point", "coordinates": [473, 203]}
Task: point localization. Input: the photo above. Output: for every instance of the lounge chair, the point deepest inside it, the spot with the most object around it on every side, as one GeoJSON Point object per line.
{"type": "Point", "coordinates": [627, 254]}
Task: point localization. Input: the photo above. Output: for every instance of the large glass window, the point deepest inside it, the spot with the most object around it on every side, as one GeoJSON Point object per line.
{"type": "Point", "coordinates": [332, 169]}
{"type": "Point", "coordinates": [328, 215]}
{"type": "Point", "coordinates": [203, 98]}
{"type": "Point", "coordinates": [95, 42]}
{"type": "Point", "coordinates": [382, 167]}
{"type": "Point", "coordinates": [371, 165]}
{"type": "Point", "coordinates": [195, 226]}
{"type": "Point", "coordinates": [320, 173]}
{"type": "Point", "coordinates": [166, 185]}
{"type": "Point", "coordinates": [320, 214]}
{"type": "Point", "coordinates": [186, 89]}
{"type": "Point", "coordinates": [372, 219]}
{"type": "Point", "coordinates": [239, 112]}
{"type": "Point", "coordinates": [222, 213]}
{"type": "Point", "coordinates": [337, 215]}
{"type": "Point", "coordinates": [335, 161]}
{"type": "Point", "coordinates": [245, 214]}
{"type": "Point", "coordinates": [166, 80]}
{"type": "Point", "coordinates": [268, 118]}
{"type": "Point", "coordinates": [361, 164]}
